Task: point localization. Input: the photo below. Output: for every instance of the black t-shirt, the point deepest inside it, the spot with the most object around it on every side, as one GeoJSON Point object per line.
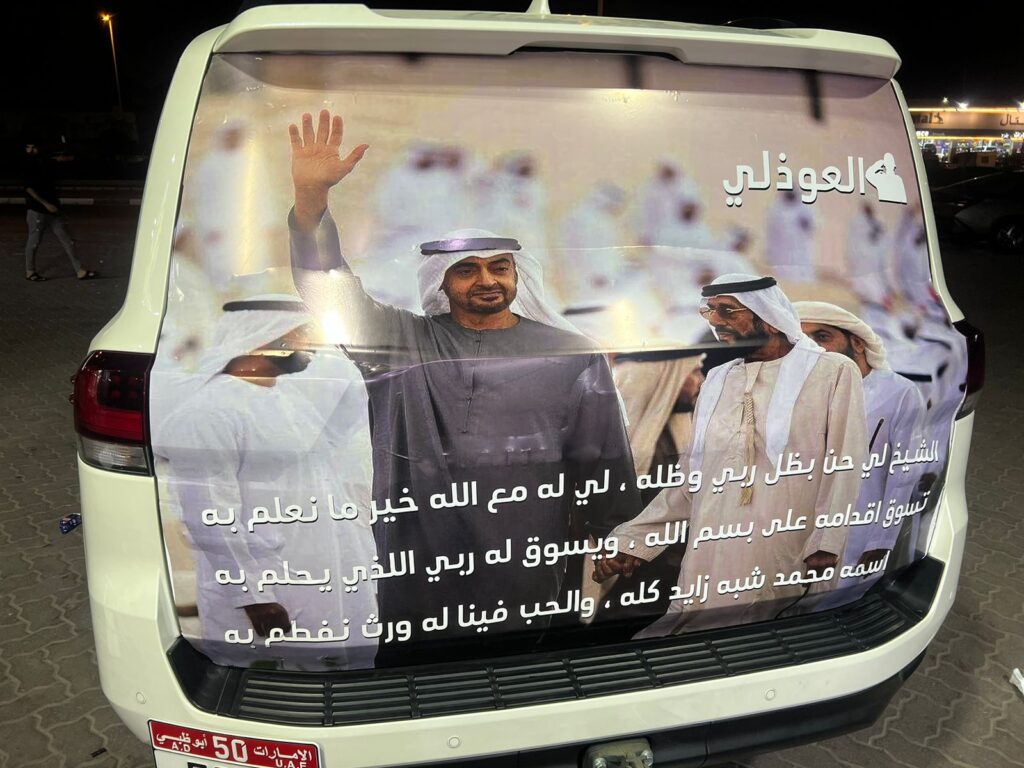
{"type": "Point", "coordinates": [39, 177]}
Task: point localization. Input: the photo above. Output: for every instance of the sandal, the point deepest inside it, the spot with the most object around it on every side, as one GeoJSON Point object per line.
{"type": "Point", "coordinates": [35, 277]}
{"type": "Point", "coordinates": [89, 275]}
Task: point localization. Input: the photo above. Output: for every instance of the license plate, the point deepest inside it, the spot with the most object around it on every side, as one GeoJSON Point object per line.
{"type": "Point", "coordinates": [176, 746]}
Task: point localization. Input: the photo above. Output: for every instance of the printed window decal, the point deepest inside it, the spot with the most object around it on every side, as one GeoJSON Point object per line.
{"type": "Point", "coordinates": [465, 357]}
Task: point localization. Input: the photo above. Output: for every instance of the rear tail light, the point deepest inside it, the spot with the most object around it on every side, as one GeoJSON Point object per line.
{"type": "Point", "coordinates": [110, 411]}
{"type": "Point", "coordinates": [975, 366]}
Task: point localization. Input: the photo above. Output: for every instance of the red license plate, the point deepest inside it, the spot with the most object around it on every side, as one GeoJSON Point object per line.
{"type": "Point", "coordinates": [205, 749]}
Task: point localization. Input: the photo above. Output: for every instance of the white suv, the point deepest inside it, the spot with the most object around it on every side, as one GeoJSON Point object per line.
{"type": "Point", "coordinates": [523, 389]}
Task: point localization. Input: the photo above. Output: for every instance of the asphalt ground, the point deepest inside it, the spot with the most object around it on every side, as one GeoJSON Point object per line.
{"type": "Point", "coordinates": [958, 709]}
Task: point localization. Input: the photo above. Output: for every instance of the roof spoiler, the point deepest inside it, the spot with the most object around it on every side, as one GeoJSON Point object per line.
{"type": "Point", "coordinates": [358, 29]}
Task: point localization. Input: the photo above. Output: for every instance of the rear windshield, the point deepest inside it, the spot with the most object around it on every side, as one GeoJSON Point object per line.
{"type": "Point", "coordinates": [469, 356]}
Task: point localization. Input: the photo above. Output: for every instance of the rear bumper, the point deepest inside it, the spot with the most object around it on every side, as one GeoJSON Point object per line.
{"type": "Point", "coordinates": [799, 725]}
{"type": "Point", "coordinates": [344, 698]}
{"type": "Point", "coordinates": [135, 628]}
{"type": "Point", "coordinates": [715, 743]}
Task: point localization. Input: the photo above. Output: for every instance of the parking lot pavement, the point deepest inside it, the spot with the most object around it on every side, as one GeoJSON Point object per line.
{"type": "Point", "coordinates": [52, 712]}
{"type": "Point", "coordinates": [957, 710]}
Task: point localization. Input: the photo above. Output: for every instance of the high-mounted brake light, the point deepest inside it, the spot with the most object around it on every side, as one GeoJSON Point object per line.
{"type": "Point", "coordinates": [110, 411]}
{"type": "Point", "coordinates": [975, 366]}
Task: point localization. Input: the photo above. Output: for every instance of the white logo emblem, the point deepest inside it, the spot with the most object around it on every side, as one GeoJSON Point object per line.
{"type": "Point", "coordinates": [883, 177]}
{"type": "Point", "coordinates": [880, 175]}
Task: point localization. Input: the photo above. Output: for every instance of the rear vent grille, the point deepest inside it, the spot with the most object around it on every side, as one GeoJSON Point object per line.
{"type": "Point", "coordinates": [341, 698]}
{"type": "Point", "coordinates": [371, 700]}
{"type": "Point", "coordinates": [684, 663]}
{"type": "Point", "coordinates": [612, 673]}
{"type": "Point", "coordinates": [282, 700]}
{"type": "Point", "coordinates": [441, 694]}
{"type": "Point", "coordinates": [525, 684]}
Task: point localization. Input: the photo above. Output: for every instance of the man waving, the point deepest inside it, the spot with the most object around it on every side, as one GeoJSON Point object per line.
{"type": "Point", "coordinates": [490, 386]}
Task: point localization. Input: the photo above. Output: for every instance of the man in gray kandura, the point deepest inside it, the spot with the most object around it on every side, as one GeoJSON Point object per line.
{"type": "Point", "coordinates": [489, 385]}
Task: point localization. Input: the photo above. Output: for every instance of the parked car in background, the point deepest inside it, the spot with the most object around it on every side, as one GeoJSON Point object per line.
{"type": "Point", "coordinates": [987, 207]}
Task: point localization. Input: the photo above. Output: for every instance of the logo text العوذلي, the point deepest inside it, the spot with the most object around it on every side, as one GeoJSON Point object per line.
{"type": "Point", "coordinates": [881, 175]}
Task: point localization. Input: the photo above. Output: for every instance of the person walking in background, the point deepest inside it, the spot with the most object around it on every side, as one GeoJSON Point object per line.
{"type": "Point", "coordinates": [43, 212]}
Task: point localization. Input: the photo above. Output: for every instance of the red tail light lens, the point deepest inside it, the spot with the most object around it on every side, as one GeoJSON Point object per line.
{"type": "Point", "coordinates": [975, 366]}
{"type": "Point", "coordinates": [110, 410]}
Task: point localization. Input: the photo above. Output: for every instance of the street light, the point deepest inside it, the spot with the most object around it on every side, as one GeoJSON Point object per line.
{"type": "Point", "coordinates": [108, 19]}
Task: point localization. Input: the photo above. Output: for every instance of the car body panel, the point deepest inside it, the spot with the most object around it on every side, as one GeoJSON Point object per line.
{"type": "Point", "coordinates": [134, 613]}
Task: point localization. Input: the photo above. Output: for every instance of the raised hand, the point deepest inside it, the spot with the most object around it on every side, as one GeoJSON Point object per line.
{"type": "Point", "coordinates": [317, 164]}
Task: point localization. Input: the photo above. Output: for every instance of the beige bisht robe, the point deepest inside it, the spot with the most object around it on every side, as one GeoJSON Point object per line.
{"type": "Point", "coordinates": [649, 391]}
{"type": "Point", "coordinates": [828, 414]}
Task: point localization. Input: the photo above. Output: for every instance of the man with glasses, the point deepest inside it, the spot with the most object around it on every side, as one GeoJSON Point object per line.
{"type": "Point", "coordinates": [764, 425]}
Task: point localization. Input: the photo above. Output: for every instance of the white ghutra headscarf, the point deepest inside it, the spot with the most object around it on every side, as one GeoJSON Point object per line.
{"type": "Point", "coordinates": [829, 314]}
{"type": "Point", "coordinates": [766, 300]}
{"type": "Point", "coordinates": [440, 255]}
{"type": "Point", "coordinates": [248, 325]}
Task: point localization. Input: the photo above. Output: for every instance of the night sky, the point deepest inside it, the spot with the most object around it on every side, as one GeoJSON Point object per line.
{"type": "Point", "coordinates": [59, 53]}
